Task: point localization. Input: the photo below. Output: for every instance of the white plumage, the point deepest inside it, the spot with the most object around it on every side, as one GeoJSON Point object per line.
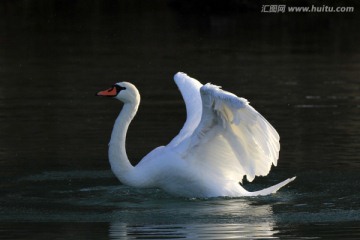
{"type": "Point", "coordinates": [222, 140]}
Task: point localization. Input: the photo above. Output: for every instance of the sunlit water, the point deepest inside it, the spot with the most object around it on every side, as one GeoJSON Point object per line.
{"type": "Point", "coordinates": [301, 72]}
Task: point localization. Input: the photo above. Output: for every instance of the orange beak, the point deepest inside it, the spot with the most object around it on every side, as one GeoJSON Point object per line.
{"type": "Point", "coordinates": [111, 92]}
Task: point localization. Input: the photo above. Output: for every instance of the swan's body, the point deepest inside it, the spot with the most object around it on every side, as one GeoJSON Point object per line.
{"type": "Point", "coordinates": [223, 139]}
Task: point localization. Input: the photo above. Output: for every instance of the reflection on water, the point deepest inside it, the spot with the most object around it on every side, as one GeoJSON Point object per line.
{"type": "Point", "coordinates": [198, 231]}
{"type": "Point", "coordinates": [206, 220]}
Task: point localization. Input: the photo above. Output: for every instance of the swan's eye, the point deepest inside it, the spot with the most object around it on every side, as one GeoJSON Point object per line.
{"type": "Point", "coordinates": [118, 88]}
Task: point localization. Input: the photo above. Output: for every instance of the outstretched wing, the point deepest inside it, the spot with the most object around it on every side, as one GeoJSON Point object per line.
{"type": "Point", "coordinates": [232, 139]}
{"type": "Point", "coordinates": [190, 91]}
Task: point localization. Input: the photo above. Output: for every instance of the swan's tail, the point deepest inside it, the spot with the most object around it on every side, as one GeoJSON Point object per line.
{"type": "Point", "coordinates": [272, 189]}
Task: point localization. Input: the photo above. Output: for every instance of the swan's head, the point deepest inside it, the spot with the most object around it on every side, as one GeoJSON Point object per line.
{"type": "Point", "coordinates": [123, 91]}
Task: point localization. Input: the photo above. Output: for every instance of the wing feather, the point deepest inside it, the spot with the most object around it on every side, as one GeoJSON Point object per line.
{"type": "Point", "coordinates": [232, 139]}
{"type": "Point", "coordinates": [190, 91]}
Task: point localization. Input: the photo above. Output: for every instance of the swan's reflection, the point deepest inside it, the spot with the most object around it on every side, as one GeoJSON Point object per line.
{"type": "Point", "coordinates": [222, 219]}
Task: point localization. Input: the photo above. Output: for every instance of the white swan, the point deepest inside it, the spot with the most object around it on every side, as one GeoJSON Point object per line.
{"type": "Point", "coordinates": [223, 140]}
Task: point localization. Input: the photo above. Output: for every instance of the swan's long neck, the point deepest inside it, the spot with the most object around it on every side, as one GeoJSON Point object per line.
{"type": "Point", "coordinates": [119, 161]}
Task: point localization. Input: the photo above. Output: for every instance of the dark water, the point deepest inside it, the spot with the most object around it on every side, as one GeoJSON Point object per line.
{"type": "Point", "coordinates": [300, 71]}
